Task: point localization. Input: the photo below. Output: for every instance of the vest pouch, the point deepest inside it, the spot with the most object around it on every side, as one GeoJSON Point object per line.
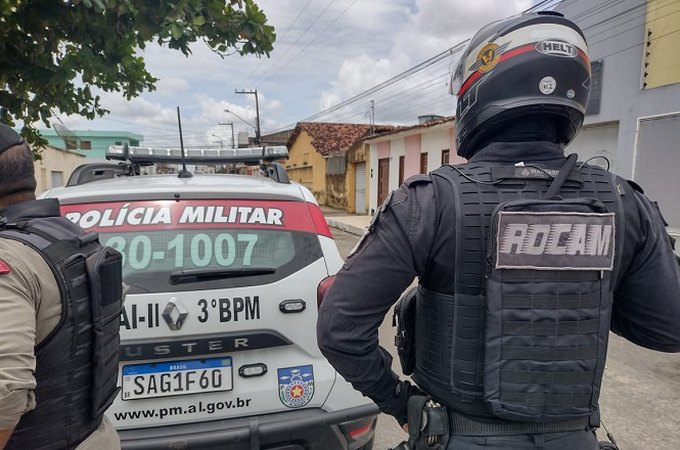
{"type": "Point", "coordinates": [104, 269]}
{"type": "Point", "coordinates": [404, 340]}
{"type": "Point", "coordinates": [549, 266]}
{"type": "Point", "coordinates": [467, 351]}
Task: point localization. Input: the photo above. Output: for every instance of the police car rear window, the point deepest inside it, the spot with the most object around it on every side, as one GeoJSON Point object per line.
{"type": "Point", "coordinates": [187, 245]}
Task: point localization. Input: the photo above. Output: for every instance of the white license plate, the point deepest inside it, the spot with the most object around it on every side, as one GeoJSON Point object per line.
{"type": "Point", "coordinates": [177, 378]}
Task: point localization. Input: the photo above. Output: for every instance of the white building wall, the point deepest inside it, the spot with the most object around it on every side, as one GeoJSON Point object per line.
{"type": "Point", "coordinates": [55, 168]}
{"type": "Point", "coordinates": [433, 143]}
{"type": "Point", "coordinates": [597, 140]}
{"type": "Point", "coordinates": [616, 34]}
{"type": "Point", "coordinates": [397, 149]}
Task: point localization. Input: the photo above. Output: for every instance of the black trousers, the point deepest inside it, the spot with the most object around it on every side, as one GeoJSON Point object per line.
{"type": "Point", "coordinates": [573, 440]}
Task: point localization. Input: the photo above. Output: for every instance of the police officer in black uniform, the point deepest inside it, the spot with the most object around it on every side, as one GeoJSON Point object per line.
{"type": "Point", "coordinates": [525, 259]}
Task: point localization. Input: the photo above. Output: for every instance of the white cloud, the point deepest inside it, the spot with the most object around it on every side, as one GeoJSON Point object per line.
{"type": "Point", "coordinates": [318, 61]}
{"type": "Point", "coordinates": [172, 85]}
{"type": "Point", "coordinates": [462, 17]}
{"type": "Point", "coordinates": [357, 75]}
{"type": "Point", "coordinates": [433, 27]}
{"type": "Point", "coordinates": [377, 15]}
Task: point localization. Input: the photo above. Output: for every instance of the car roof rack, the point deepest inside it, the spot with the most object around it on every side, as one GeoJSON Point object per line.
{"type": "Point", "coordinates": [152, 155]}
{"type": "Point", "coordinates": [132, 158]}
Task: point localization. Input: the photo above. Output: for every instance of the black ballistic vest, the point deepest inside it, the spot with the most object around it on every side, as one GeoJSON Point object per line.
{"type": "Point", "coordinates": [77, 364]}
{"type": "Point", "coordinates": [497, 338]}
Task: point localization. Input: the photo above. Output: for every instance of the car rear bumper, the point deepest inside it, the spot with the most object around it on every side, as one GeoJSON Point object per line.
{"type": "Point", "coordinates": [290, 430]}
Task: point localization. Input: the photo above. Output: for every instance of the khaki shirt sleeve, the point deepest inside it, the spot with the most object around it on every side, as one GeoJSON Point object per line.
{"type": "Point", "coordinates": [21, 294]}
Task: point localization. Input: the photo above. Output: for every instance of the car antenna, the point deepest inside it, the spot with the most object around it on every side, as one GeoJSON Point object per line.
{"type": "Point", "coordinates": [184, 173]}
{"type": "Point", "coordinates": [263, 165]}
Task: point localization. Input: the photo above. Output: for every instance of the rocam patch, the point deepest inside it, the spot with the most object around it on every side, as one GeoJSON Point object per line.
{"type": "Point", "coordinates": [555, 241]}
{"type": "Point", "coordinates": [296, 385]}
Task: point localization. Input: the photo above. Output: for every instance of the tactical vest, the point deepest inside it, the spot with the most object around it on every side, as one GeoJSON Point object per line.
{"type": "Point", "coordinates": [510, 342]}
{"type": "Point", "coordinates": [77, 364]}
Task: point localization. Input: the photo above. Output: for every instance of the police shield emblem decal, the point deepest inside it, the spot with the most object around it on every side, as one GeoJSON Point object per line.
{"type": "Point", "coordinates": [296, 385]}
{"type": "Point", "coordinates": [555, 241]}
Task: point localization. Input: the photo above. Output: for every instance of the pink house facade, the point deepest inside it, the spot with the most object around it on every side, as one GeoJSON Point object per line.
{"type": "Point", "coordinates": [395, 157]}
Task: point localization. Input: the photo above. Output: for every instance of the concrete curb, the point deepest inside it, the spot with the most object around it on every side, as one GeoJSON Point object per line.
{"type": "Point", "coordinates": [340, 225]}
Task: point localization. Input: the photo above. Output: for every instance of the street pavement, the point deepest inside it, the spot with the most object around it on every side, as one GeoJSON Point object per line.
{"type": "Point", "coordinates": [350, 223]}
{"type": "Point", "coordinates": [641, 389]}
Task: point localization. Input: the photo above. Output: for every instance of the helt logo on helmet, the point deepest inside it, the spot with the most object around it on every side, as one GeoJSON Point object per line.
{"type": "Point", "coordinates": [557, 48]}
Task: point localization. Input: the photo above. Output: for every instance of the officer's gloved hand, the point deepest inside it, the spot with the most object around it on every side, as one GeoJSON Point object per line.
{"type": "Point", "coordinates": [397, 404]}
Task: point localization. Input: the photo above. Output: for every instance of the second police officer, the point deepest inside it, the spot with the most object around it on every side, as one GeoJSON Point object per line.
{"type": "Point", "coordinates": [525, 259]}
{"type": "Point", "coordinates": [61, 295]}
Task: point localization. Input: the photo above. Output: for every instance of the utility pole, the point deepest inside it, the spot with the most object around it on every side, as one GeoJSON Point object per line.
{"type": "Point", "coordinates": [372, 116]}
{"type": "Point", "coordinates": [257, 111]}
{"type": "Point", "coordinates": [231, 124]}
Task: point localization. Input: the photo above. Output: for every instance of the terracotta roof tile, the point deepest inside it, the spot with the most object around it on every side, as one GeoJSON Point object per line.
{"type": "Point", "coordinates": [428, 124]}
{"type": "Point", "coordinates": [330, 138]}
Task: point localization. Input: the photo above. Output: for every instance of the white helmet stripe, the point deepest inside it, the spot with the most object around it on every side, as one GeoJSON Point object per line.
{"type": "Point", "coordinates": [518, 38]}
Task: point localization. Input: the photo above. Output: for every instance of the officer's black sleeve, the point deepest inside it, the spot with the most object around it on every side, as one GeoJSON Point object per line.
{"type": "Point", "coordinates": [385, 263]}
{"type": "Point", "coordinates": [647, 300]}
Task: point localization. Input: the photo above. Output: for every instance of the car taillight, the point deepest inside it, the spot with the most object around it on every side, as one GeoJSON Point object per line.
{"type": "Point", "coordinates": [323, 287]}
{"type": "Point", "coordinates": [320, 224]}
{"type": "Point", "coordinates": [359, 429]}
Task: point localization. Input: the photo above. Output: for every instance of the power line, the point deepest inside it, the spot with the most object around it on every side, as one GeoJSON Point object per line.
{"type": "Point", "coordinates": [270, 68]}
{"type": "Point", "coordinates": [539, 5]}
{"type": "Point", "coordinates": [285, 33]}
{"type": "Point", "coordinates": [610, 18]}
{"type": "Point", "coordinates": [388, 110]}
{"type": "Point", "coordinates": [638, 45]}
{"type": "Point", "coordinates": [144, 126]}
{"type": "Point", "coordinates": [430, 105]}
{"type": "Point", "coordinates": [395, 79]}
{"type": "Point", "coordinates": [407, 73]}
{"type": "Point", "coordinates": [326, 28]}
{"type": "Point", "coordinates": [671, 2]}
{"type": "Point", "coordinates": [389, 105]}
{"type": "Point", "coordinates": [283, 37]}
{"type": "Point", "coordinates": [415, 69]}
{"type": "Point", "coordinates": [635, 27]}
{"type": "Point", "coordinates": [594, 10]}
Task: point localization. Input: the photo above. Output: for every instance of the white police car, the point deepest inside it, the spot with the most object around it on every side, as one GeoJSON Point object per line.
{"type": "Point", "coordinates": [218, 343]}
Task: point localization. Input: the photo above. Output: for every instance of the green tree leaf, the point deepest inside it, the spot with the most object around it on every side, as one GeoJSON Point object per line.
{"type": "Point", "coordinates": [53, 54]}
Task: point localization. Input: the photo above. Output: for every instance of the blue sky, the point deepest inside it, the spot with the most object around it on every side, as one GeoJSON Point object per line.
{"type": "Point", "coordinates": [326, 51]}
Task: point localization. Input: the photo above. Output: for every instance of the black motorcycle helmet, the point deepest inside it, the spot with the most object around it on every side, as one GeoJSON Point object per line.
{"type": "Point", "coordinates": [533, 64]}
